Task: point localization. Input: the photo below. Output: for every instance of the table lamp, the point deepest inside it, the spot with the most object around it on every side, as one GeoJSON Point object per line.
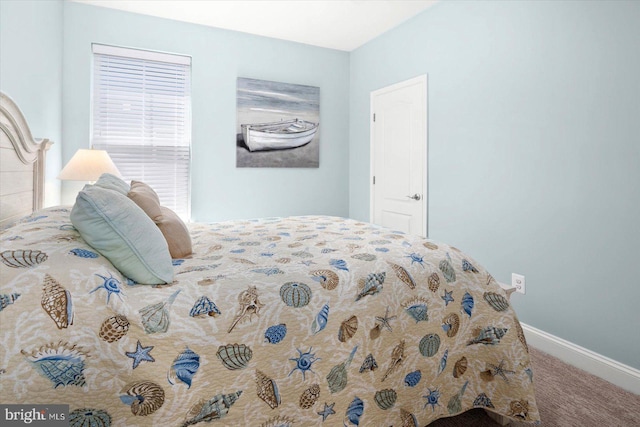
{"type": "Point", "coordinates": [88, 165]}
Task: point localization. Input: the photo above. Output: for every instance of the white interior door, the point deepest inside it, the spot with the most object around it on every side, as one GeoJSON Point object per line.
{"type": "Point", "coordinates": [399, 156]}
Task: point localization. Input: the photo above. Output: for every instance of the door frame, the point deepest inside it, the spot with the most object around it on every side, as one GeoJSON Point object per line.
{"type": "Point", "coordinates": [422, 81]}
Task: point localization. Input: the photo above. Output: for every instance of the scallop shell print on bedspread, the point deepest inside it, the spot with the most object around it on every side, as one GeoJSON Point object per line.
{"type": "Point", "coordinates": [23, 258]}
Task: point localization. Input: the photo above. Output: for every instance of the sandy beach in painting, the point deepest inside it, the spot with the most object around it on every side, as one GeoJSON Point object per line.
{"type": "Point", "coordinates": [260, 101]}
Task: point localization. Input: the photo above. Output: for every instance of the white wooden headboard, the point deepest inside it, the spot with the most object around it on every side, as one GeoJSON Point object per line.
{"type": "Point", "coordinates": [22, 164]}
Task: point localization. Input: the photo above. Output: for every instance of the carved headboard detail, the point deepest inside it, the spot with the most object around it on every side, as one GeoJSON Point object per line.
{"type": "Point", "coordinates": [22, 164]}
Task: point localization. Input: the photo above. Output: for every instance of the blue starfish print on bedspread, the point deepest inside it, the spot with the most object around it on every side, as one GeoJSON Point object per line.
{"type": "Point", "coordinates": [447, 297]}
{"type": "Point", "coordinates": [328, 410]}
{"type": "Point", "coordinates": [141, 353]}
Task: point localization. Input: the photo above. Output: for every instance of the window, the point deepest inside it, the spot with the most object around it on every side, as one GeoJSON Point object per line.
{"type": "Point", "coordinates": [142, 118]}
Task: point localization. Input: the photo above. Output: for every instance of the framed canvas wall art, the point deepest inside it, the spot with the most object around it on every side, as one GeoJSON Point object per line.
{"type": "Point", "coordinates": [278, 124]}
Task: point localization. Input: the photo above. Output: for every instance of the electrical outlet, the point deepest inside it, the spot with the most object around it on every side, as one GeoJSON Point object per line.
{"type": "Point", "coordinates": [517, 281]}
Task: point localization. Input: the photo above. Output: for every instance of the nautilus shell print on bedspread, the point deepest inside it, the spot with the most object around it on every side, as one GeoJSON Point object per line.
{"type": "Point", "coordinates": [144, 397]}
{"type": "Point", "coordinates": [327, 278]}
{"type": "Point", "coordinates": [451, 324]}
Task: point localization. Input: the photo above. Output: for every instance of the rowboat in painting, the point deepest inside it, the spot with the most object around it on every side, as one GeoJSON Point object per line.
{"type": "Point", "coordinates": [278, 135]}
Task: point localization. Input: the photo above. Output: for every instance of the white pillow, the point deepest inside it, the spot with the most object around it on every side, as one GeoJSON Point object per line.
{"type": "Point", "coordinates": [117, 228]}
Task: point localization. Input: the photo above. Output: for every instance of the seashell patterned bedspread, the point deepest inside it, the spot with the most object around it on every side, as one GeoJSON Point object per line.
{"type": "Point", "coordinates": [275, 322]}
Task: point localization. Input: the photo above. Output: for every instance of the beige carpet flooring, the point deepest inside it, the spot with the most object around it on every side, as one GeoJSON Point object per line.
{"type": "Point", "coordinates": [566, 397]}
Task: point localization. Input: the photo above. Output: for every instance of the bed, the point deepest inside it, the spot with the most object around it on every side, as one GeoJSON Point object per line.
{"type": "Point", "coordinates": [302, 321]}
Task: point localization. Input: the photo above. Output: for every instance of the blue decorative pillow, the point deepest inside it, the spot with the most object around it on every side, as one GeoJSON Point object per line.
{"type": "Point", "coordinates": [112, 182]}
{"type": "Point", "coordinates": [117, 228]}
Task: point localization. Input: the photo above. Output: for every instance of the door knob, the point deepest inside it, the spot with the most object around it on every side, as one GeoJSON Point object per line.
{"type": "Point", "coordinates": [415, 197]}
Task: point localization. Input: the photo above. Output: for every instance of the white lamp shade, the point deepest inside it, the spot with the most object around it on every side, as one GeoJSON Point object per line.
{"type": "Point", "coordinates": [88, 165]}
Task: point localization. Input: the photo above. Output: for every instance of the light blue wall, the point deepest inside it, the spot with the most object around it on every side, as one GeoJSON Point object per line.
{"type": "Point", "coordinates": [534, 151]}
{"type": "Point", "coordinates": [31, 73]}
{"type": "Point", "coordinates": [219, 189]}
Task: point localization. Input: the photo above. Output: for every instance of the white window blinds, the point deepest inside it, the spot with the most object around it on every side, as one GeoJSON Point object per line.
{"type": "Point", "coordinates": [142, 118]}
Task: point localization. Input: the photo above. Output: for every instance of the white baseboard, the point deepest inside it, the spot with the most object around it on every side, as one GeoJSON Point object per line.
{"type": "Point", "coordinates": [617, 373]}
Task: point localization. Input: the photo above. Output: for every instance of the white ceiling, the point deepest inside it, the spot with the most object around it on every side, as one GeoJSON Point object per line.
{"type": "Point", "coordinates": [336, 24]}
